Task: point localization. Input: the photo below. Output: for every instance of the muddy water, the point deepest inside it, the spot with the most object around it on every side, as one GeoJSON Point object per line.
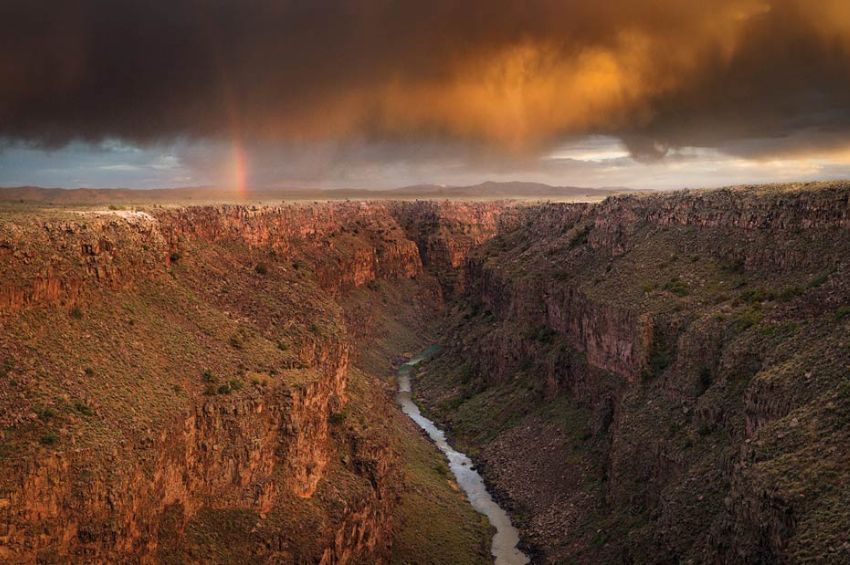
{"type": "Point", "coordinates": [506, 538]}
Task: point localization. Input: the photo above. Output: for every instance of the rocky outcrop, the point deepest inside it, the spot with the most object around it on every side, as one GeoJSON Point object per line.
{"type": "Point", "coordinates": [445, 232]}
{"type": "Point", "coordinates": [679, 355]}
{"type": "Point", "coordinates": [244, 451]}
{"type": "Point", "coordinates": [350, 243]}
{"type": "Point", "coordinates": [254, 445]}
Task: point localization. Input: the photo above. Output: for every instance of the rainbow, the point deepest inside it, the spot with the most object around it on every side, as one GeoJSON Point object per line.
{"type": "Point", "coordinates": [238, 173]}
{"type": "Point", "coordinates": [239, 166]}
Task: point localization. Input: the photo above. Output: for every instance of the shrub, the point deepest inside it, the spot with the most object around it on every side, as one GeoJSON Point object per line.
{"type": "Point", "coordinates": [224, 389]}
{"type": "Point", "coordinates": [261, 269]}
{"type": "Point", "coordinates": [734, 265]}
{"type": "Point", "coordinates": [259, 381]}
{"type": "Point", "coordinates": [580, 238]}
{"type": "Point", "coordinates": [45, 414]}
{"type": "Point", "coordinates": [338, 418]}
{"type": "Point", "coordinates": [660, 357]}
{"type": "Point", "coordinates": [746, 319]}
{"type": "Point", "coordinates": [174, 257]}
{"type": "Point", "coordinates": [314, 329]}
{"type": "Point", "coordinates": [76, 313]}
{"type": "Point", "coordinates": [82, 408]}
{"type": "Point", "coordinates": [235, 385]}
{"type": "Point", "coordinates": [49, 439]}
{"type": "Point", "coordinates": [786, 329]}
{"type": "Point", "coordinates": [757, 296]}
{"type": "Point", "coordinates": [6, 368]}
{"type": "Point", "coordinates": [210, 390]}
{"type": "Point", "coordinates": [677, 287]}
{"type": "Point", "coordinates": [208, 377]}
{"type": "Point", "coordinates": [842, 313]}
{"type": "Point", "coordinates": [819, 280]}
{"type": "Point", "coordinates": [789, 293]}
{"type": "Point", "coordinates": [89, 371]}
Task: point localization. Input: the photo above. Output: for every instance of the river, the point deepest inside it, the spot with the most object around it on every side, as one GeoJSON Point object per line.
{"type": "Point", "coordinates": [504, 545]}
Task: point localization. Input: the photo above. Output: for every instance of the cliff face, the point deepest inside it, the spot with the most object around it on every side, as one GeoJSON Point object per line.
{"type": "Point", "coordinates": [650, 378]}
{"type": "Point", "coordinates": [445, 233]}
{"type": "Point", "coordinates": [245, 453]}
{"type": "Point", "coordinates": [190, 384]}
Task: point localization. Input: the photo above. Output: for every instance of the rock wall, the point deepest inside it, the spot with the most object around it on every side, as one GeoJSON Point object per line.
{"type": "Point", "coordinates": [257, 450]}
{"type": "Point", "coordinates": [680, 351]}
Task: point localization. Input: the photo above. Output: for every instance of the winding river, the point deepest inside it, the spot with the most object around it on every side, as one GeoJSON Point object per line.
{"type": "Point", "coordinates": [504, 546]}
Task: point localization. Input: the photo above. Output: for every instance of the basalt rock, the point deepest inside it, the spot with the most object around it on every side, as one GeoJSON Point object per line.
{"type": "Point", "coordinates": [660, 378]}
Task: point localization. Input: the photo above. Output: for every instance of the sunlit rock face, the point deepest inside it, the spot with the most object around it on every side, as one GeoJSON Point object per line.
{"type": "Point", "coordinates": [192, 375]}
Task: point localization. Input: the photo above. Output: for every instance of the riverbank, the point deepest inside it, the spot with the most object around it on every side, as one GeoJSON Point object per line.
{"type": "Point", "coordinates": [506, 537]}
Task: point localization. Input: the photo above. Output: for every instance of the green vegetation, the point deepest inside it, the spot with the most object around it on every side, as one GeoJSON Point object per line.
{"type": "Point", "coordinates": [757, 296]}
{"type": "Point", "coordinates": [76, 313]}
{"type": "Point", "coordinates": [261, 269]}
{"type": "Point", "coordinates": [6, 367]}
{"type": "Point", "coordinates": [337, 418]}
{"type": "Point", "coordinates": [436, 524]}
{"type": "Point", "coordinates": [677, 287]}
{"type": "Point", "coordinates": [789, 293]}
{"type": "Point", "coordinates": [820, 280]}
{"type": "Point", "coordinates": [746, 318]}
{"type": "Point", "coordinates": [842, 313]}
{"type": "Point", "coordinates": [49, 439]}
{"type": "Point", "coordinates": [83, 408]}
{"type": "Point", "coordinates": [580, 238]}
{"type": "Point", "coordinates": [781, 330]}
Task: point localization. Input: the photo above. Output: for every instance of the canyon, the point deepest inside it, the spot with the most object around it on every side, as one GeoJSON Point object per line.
{"type": "Point", "coordinates": [651, 378]}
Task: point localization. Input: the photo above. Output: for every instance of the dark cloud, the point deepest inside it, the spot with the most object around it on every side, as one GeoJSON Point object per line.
{"type": "Point", "coordinates": [511, 75]}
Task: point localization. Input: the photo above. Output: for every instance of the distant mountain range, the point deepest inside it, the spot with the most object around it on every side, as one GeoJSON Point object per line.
{"type": "Point", "coordinates": [486, 190]}
{"type": "Point", "coordinates": [507, 190]}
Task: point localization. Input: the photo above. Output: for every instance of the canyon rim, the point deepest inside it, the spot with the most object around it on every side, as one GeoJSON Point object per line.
{"type": "Point", "coordinates": [652, 377]}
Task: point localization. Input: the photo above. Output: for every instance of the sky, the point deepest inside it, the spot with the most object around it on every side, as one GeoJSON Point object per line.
{"type": "Point", "coordinates": [384, 93]}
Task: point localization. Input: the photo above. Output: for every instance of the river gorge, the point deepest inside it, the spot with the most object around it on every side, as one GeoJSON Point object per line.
{"type": "Point", "coordinates": [652, 377]}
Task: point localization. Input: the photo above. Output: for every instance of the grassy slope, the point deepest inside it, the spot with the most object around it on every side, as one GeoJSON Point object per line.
{"type": "Point", "coordinates": [435, 524]}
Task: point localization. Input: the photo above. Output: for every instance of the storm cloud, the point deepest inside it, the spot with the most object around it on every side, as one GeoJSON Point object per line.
{"type": "Point", "coordinates": [512, 76]}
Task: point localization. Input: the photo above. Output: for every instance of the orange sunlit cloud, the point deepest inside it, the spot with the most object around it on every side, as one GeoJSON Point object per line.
{"type": "Point", "coordinates": [503, 79]}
